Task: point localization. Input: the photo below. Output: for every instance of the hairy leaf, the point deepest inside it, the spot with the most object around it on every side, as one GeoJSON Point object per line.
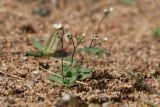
{"type": "Point", "coordinates": [36, 44]}
{"type": "Point", "coordinates": [69, 59]}
{"type": "Point", "coordinates": [57, 79]}
{"type": "Point", "coordinates": [85, 70]}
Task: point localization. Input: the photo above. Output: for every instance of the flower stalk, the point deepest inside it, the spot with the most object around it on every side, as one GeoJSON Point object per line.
{"type": "Point", "coordinates": [95, 37]}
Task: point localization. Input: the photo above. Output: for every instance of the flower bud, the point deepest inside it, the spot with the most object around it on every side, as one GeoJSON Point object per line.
{"type": "Point", "coordinates": [105, 39]}
{"type": "Point", "coordinates": [69, 35]}
{"type": "Point", "coordinates": [83, 35]}
{"type": "Point", "coordinates": [108, 11]}
{"type": "Point", "coordinates": [95, 37]}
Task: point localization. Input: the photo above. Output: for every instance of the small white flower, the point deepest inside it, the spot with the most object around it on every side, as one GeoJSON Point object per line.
{"type": "Point", "coordinates": [111, 9]}
{"type": "Point", "coordinates": [105, 11]}
{"type": "Point", "coordinates": [105, 39]}
{"type": "Point", "coordinates": [95, 37]}
{"type": "Point", "coordinates": [108, 11]}
{"type": "Point", "coordinates": [83, 35]}
{"type": "Point", "coordinates": [57, 26]}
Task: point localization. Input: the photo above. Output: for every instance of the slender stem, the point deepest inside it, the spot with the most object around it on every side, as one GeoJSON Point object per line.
{"type": "Point", "coordinates": [92, 41]}
{"type": "Point", "coordinates": [74, 50]}
{"type": "Point", "coordinates": [99, 24]}
{"type": "Point", "coordinates": [62, 46]}
{"type": "Point", "coordinates": [96, 44]}
{"type": "Point", "coordinates": [79, 43]}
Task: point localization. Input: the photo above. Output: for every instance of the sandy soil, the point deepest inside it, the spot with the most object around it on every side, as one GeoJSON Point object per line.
{"type": "Point", "coordinates": [128, 77]}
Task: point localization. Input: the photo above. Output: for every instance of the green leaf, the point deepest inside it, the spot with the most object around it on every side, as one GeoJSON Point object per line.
{"type": "Point", "coordinates": [97, 51]}
{"type": "Point", "coordinates": [66, 68]}
{"type": "Point", "coordinates": [68, 74]}
{"type": "Point", "coordinates": [36, 44]}
{"type": "Point", "coordinates": [69, 82]}
{"type": "Point", "coordinates": [69, 59]}
{"type": "Point", "coordinates": [71, 75]}
{"type": "Point", "coordinates": [73, 79]}
{"type": "Point", "coordinates": [56, 79]}
{"type": "Point", "coordinates": [84, 76]}
{"type": "Point", "coordinates": [85, 70]}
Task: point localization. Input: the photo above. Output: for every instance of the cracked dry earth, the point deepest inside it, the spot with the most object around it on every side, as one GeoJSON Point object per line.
{"type": "Point", "coordinates": [129, 76]}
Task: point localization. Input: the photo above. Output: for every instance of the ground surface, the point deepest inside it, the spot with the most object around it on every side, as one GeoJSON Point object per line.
{"type": "Point", "coordinates": [129, 76]}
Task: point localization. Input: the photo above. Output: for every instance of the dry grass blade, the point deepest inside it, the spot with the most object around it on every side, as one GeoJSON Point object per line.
{"type": "Point", "coordinates": [14, 76]}
{"type": "Point", "coordinates": [59, 60]}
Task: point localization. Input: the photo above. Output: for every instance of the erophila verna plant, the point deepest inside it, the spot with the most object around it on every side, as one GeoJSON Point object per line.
{"type": "Point", "coordinates": [72, 72]}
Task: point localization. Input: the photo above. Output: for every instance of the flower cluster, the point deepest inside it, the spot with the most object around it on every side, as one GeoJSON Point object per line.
{"type": "Point", "coordinates": [58, 26]}
{"type": "Point", "coordinates": [108, 11]}
{"type": "Point", "coordinates": [95, 37]}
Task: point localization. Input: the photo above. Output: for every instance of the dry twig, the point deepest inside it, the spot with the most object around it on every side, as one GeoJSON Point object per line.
{"type": "Point", "coordinates": [14, 76]}
{"type": "Point", "coordinates": [59, 60]}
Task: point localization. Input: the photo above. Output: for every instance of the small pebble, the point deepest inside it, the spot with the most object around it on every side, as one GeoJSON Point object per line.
{"type": "Point", "coordinates": [35, 72]}
{"type": "Point", "coordinates": [11, 101]}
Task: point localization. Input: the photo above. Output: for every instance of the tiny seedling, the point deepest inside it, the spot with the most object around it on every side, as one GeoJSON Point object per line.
{"type": "Point", "coordinates": [51, 45]}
